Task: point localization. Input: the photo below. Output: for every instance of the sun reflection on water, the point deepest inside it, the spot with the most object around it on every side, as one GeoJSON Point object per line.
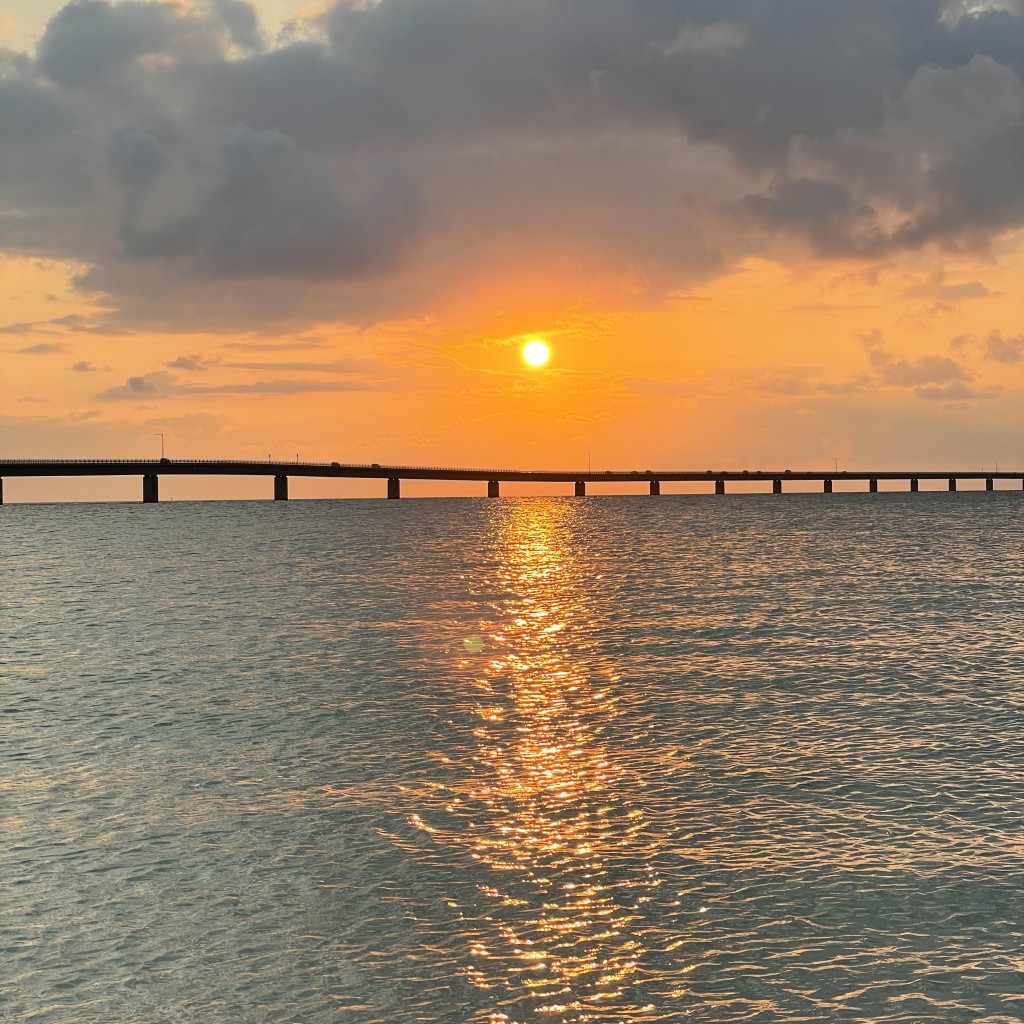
{"type": "Point", "coordinates": [546, 808]}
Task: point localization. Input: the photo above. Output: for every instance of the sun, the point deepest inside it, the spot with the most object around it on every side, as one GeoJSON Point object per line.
{"type": "Point", "coordinates": [536, 353]}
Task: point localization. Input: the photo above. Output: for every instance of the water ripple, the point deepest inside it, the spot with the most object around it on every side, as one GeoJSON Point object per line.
{"type": "Point", "coordinates": [511, 762]}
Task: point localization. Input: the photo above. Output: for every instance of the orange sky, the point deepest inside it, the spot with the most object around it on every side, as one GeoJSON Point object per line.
{"type": "Point", "coordinates": [682, 336]}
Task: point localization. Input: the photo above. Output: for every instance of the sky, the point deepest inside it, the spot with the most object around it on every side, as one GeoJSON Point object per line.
{"type": "Point", "coordinates": [783, 234]}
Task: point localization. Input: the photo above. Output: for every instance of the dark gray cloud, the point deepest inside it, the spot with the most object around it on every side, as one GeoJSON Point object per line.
{"type": "Point", "coordinates": [980, 191]}
{"type": "Point", "coordinates": [270, 209]}
{"type": "Point", "coordinates": [84, 366]}
{"type": "Point", "coordinates": [241, 21]}
{"type": "Point", "coordinates": [41, 163]}
{"type": "Point", "coordinates": [825, 211]}
{"type": "Point", "coordinates": [135, 160]}
{"type": "Point", "coordinates": [397, 148]}
{"type": "Point", "coordinates": [940, 168]}
{"type": "Point", "coordinates": [90, 40]}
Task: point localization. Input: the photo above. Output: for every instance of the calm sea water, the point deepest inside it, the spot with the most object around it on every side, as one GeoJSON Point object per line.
{"type": "Point", "coordinates": [614, 760]}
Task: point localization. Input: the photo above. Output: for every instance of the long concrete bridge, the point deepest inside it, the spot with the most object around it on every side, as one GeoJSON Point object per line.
{"type": "Point", "coordinates": [150, 471]}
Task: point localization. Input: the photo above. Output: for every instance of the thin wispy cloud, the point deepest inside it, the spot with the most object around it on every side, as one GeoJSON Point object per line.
{"type": "Point", "coordinates": [158, 385]}
{"type": "Point", "coordinates": [43, 348]}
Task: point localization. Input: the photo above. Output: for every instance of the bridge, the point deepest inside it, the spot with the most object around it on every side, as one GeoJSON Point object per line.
{"type": "Point", "coordinates": [150, 471]}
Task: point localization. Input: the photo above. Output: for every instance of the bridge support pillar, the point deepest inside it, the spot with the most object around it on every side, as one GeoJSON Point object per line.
{"type": "Point", "coordinates": [914, 485]}
{"type": "Point", "coordinates": [394, 487]}
{"type": "Point", "coordinates": [989, 485]}
{"type": "Point", "coordinates": [280, 488]}
{"type": "Point", "coordinates": [776, 487]}
{"type": "Point", "coordinates": [493, 490]}
{"type": "Point", "coordinates": [719, 487]}
{"type": "Point", "coordinates": [828, 486]}
{"type": "Point", "coordinates": [581, 488]}
{"type": "Point", "coordinates": [150, 488]}
{"type": "Point", "coordinates": [873, 485]}
{"type": "Point", "coordinates": [1, 490]}
{"type": "Point", "coordinates": [655, 487]}
{"type": "Point", "coordinates": [952, 483]}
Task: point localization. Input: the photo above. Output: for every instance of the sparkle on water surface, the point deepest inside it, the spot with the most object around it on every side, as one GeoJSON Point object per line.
{"type": "Point", "coordinates": [613, 760]}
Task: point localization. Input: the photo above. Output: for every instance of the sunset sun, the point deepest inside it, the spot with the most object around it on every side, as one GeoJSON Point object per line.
{"type": "Point", "coordinates": [536, 353]}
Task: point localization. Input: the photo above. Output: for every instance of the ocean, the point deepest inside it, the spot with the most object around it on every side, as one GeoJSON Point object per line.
{"type": "Point", "coordinates": [509, 761]}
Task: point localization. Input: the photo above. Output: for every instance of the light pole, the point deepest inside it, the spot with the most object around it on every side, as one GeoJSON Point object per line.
{"type": "Point", "coordinates": [161, 436]}
{"type": "Point", "coordinates": [835, 462]}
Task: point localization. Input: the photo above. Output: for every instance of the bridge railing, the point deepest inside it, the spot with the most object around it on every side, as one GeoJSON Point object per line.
{"type": "Point", "coordinates": [269, 462]}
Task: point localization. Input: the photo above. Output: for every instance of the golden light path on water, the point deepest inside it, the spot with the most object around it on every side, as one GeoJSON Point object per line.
{"type": "Point", "coordinates": [555, 815]}
{"type": "Point", "coordinates": [615, 761]}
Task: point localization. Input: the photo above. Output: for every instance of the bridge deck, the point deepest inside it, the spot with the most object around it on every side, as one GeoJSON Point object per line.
{"type": "Point", "coordinates": [232, 467]}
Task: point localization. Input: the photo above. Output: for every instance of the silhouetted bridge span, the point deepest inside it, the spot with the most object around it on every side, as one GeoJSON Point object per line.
{"type": "Point", "coordinates": [150, 470]}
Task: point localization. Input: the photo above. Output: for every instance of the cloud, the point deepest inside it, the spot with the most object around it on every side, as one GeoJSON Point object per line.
{"type": "Point", "coordinates": [719, 39]}
{"type": "Point", "coordinates": [787, 385]}
{"type": "Point", "coordinates": [995, 347]}
{"type": "Point", "coordinates": [1004, 350]}
{"type": "Point", "coordinates": [956, 391]}
{"type": "Point", "coordinates": [280, 387]}
{"type": "Point", "coordinates": [395, 150]}
{"type": "Point", "coordinates": [241, 21]}
{"type": "Point", "coordinates": [44, 348]}
{"type": "Point", "coordinates": [275, 345]}
{"type": "Point", "coordinates": [932, 378]}
{"type": "Point", "coordinates": [21, 327]}
{"type": "Point", "coordinates": [84, 366]}
{"type": "Point", "coordinates": [269, 208]}
{"type": "Point", "coordinates": [159, 384]}
{"type": "Point", "coordinates": [826, 307]}
{"type": "Point", "coordinates": [935, 167]}
{"type": "Point", "coordinates": [71, 323]}
{"type": "Point", "coordinates": [192, 363]}
{"type": "Point", "coordinates": [928, 316]}
{"type": "Point", "coordinates": [825, 211]}
{"type": "Point", "coordinates": [88, 41]}
{"type": "Point", "coordinates": [347, 366]}
{"type": "Point", "coordinates": [846, 387]}
{"type": "Point", "coordinates": [951, 292]}
{"type": "Point", "coordinates": [149, 385]}
{"type": "Point", "coordinates": [897, 371]}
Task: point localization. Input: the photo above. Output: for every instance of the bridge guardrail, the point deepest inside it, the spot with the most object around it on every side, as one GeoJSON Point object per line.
{"type": "Point", "coordinates": [259, 462]}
